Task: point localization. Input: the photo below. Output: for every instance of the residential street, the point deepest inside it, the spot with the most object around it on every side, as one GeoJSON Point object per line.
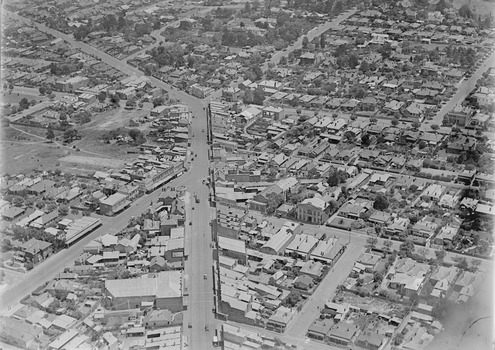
{"type": "Point", "coordinates": [315, 32]}
{"type": "Point", "coordinates": [464, 89]}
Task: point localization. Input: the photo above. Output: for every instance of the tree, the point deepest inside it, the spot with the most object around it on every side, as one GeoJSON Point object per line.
{"type": "Point", "coordinates": [434, 126]}
{"type": "Point", "coordinates": [440, 255]}
{"type": "Point", "coordinates": [407, 247]}
{"type": "Point", "coordinates": [115, 99]}
{"type": "Point", "coordinates": [102, 97]}
{"type": "Point", "coordinates": [70, 135]}
{"type": "Point", "coordinates": [247, 7]}
{"type": "Point", "coordinates": [465, 11]}
{"type": "Point", "coordinates": [395, 122]}
{"type": "Point", "coordinates": [322, 41]}
{"type": "Point", "coordinates": [283, 60]}
{"type": "Point", "coordinates": [462, 263]}
{"type": "Point", "coordinates": [381, 202]}
{"type": "Point", "coordinates": [42, 90]}
{"type": "Point", "coordinates": [415, 125]}
{"type": "Point", "coordinates": [258, 96]}
{"type": "Point", "coordinates": [372, 241]}
{"type": "Point", "coordinates": [50, 135]}
{"type": "Point", "coordinates": [475, 264]}
{"type": "Point", "coordinates": [388, 244]}
{"type": "Point", "coordinates": [63, 210]}
{"type": "Point", "coordinates": [292, 299]}
{"type": "Point", "coordinates": [305, 42]}
{"type": "Point", "coordinates": [23, 104]}
{"type": "Point", "coordinates": [377, 277]}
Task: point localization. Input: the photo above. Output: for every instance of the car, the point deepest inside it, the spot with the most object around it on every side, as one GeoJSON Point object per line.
{"type": "Point", "coordinates": [202, 130]}
{"type": "Point", "coordinates": [205, 276]}
{"type": "Point", "coordinates": [189, 325]}
{"type": "Point", "coordinates": [190, 223]}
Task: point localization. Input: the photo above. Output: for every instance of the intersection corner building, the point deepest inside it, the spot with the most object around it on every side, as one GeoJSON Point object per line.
{"type": "Point", "coordinates": [163, 289]}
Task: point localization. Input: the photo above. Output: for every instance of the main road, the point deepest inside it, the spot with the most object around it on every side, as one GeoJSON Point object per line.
{"type": "Point", "coordinates": [200, 259]}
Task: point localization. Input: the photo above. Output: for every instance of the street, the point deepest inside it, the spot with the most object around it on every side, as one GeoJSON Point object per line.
{"type": "Point", "coordinates": [464, 89]}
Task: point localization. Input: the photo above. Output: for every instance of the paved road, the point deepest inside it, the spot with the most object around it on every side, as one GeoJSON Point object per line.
{"type": "Point", "coordinates": [464, 89]}
{"type": "Point", "coordinates": [298, 326]}
{"type": "Point", "coordinates": [315, 32]}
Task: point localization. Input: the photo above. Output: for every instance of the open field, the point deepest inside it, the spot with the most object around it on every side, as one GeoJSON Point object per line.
{"type": "Point", "coordinates": [24, 149]}
{"type": "Point", "coordinates": [22, 153]}
{"type": "Point", "coordinates": [93, 161]}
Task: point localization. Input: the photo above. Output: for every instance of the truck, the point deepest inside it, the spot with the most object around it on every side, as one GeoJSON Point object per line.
{"type": "Point", "coordinates": [196, 198]}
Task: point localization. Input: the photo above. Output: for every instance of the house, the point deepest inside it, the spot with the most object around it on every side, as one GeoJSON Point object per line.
{"type": "Point", "coordinates": [273, 113]}
{"type": "Point", "coordinates": [446, 235]}
{"type": "Point", "coordinates": [398, 226]}
{"type": "Point", "coordinates": [354, 208]}
{"type": "Point", "coordinates": [369, 340]}
{"type": "Point", "coordinates": [460, 115]}
{"type": "Point", "coordinates": [342, 333]}
{"type": "Point", "coordinates": [35, 250]}
{"type": "Point", "coordinates": [303, 282]}
{"type": "Point", "coordinates": [443, 279]}
{"type": "Point", "coordinates": [314, 210]}
{"type": "Point", "coordinates": [319, 329]}
{"type": "Point", "coordinates": [407, 276]}
{"type": "Point", "coordinates": [163, 289]}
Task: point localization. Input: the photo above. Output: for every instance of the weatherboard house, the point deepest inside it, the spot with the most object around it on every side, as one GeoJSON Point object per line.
{"type": "Point", "coordinates": [164, 289]}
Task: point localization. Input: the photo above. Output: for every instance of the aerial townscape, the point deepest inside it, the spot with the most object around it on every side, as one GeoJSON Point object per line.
{"type": "Point", "coordinates": [247, 175]}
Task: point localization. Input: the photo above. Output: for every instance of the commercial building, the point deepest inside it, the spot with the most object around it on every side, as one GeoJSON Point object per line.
{"type": "Point", "coordinates": [164, 289]}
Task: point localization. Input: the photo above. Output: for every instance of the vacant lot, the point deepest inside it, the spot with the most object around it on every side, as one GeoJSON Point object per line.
{"type": "Point", "coordinates": [93, 162]}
